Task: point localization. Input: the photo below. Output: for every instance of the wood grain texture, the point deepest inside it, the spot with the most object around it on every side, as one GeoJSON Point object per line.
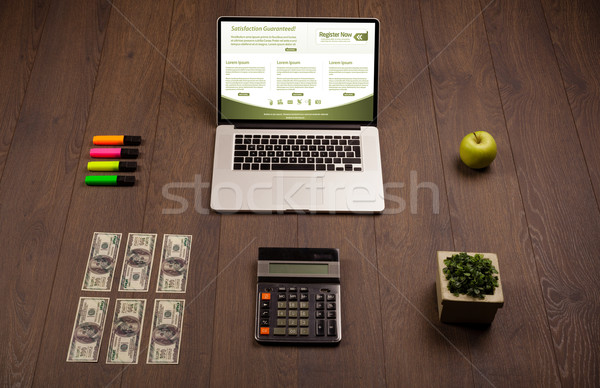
{"type": "Point", "coordinates": [126, 101]}
{"type": "Point", "coordinates": [266, 8]}
{"type": "Point", "coordinates": [327, 9]}
{"type": "Point", "coordinates": [526, 71]}
{"type": "Point", "coordinates": [35, 191]}
{"type": "Point", "coordinates": [416, 223]}
{"type": "Point", "coordinates": [178, 196]}
{"type": "Point", "coordinates": [237, 358]}
{"type": "Point", "coordinates": [561, 211]}
{"type": "Point", "coordinates": [574, 27]}
{"type": "Point", "coordinates": [485, 206]}
{"type": "Point", "coordinates": [21, 25]}
{"type": "Point", "coordinates": [359, 358]}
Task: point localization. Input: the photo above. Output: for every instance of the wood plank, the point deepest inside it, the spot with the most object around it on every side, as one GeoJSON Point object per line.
{"type": "Point", "coordinates": [39, 174]}
{"type": "Point", "coordinates": [266, 8]}
{"type": "Point", "coordinates": [561, 210]}
{"type": "Point", "coordinates": [359, 358]}
{"type": "Point", "coordinates": [574, 29]}
{"type": "Point", "coordinates": [181, 167]}
{"type": "Point", "coordinates": [485, 206]}
{"type": "Point", "coordinates": [126, 101]}
{"type": "Point", "coordinates": [417, 223]}
{"type": "Point", "coordinates": [21, 25]}
{"type": "Point", "coordinates": [327, 9]}
{"type": "Point", "coordinates": [237, 359]}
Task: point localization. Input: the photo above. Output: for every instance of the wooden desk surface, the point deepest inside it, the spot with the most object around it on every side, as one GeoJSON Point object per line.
{"type": "Point", "coordinates": [526, 71]}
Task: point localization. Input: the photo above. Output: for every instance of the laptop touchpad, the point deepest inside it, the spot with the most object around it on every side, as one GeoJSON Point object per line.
{"type": "Point", "coordinates": [298, 193]}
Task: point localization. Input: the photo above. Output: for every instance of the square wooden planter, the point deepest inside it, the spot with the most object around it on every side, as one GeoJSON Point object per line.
{"type": "Point", "coordinates": [464, 308]}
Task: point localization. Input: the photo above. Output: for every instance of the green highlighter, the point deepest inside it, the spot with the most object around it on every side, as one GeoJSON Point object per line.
{"type": "Point", "coordinates": [112, 166]}
{"type": "Point", "coordinates": [110, 180]}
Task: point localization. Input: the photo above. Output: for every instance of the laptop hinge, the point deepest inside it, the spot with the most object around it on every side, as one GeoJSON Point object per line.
{"type": "Point", "coordinates": [296, 126]}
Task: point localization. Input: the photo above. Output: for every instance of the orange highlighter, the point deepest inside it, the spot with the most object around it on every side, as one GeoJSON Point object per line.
{"type": "Point", "coordinates": [118, 140]}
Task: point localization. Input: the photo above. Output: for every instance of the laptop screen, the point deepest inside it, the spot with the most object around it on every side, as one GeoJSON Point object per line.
{"type": "Point", "coordinates": [297, 69]}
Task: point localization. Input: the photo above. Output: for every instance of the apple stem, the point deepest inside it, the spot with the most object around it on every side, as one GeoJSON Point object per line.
{"type": "Point", "coordinates": [476, 138]}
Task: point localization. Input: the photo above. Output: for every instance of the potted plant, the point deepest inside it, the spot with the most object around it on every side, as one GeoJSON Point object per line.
{"type": "Point", "coordinates": [468, 287]}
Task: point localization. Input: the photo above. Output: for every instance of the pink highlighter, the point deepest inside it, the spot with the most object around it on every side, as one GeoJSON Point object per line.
{"type": "Point", "coordinates": [114, 153]}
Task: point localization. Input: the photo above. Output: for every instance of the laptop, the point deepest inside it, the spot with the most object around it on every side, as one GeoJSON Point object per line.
{"type": "Point", "coordinates": [297, 109]}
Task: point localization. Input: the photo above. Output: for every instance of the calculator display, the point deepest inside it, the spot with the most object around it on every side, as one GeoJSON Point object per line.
{"type": "Point", "coordinates": [298, 268]}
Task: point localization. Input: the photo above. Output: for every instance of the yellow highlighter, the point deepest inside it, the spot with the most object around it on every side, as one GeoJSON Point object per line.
{"type": "Point", "coordinates": [112, 166]}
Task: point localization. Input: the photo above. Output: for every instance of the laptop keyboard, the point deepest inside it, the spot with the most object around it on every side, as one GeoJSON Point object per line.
{"type": "Point", "coordinates": [297, 152]}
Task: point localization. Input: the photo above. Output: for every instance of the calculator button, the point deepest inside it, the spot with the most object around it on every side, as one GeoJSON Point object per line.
{"type": "Point", "coordinates": [264, 331]}
{"type": "Point", "coordinates": [319, 297]}
{"type": "Point", "coordinates": [281, 313]}
{"type": "Point", "coordinates": [304, 331]}
{"type": "Point", "coordinates": [292, 322]}
{"type": "Point", "coordinates": [279, 331]}
{"type": "Point", "coordinates": [331, 306]}
{"type": "Point", "coordinates": [303, 313]}
{"type": "Point", "coordinates": [281, 305]}
{"type": "Point", "coordinates": [264, 314]}
{"type": "Point", "coordinates": [281, 322]}
{"type": "Point", "coordinates": [331, 328]}
{"type": "Point", "coordinates": [293, 305]}
{"type": "Point", "coordinates": [293, 297]}
{"type": "Point", "coordinates": [330, 297]}
{"type": "Point", "coordinates": [264, 304]}
{"type": "Point", "coordinates": [304, 305]}
{"type": "Point", "coordinates": [303, 322]}
{"type": "Point", "coordinates": [320, 327]}
{"type": "Point", "coordinates": [281, 297]}
{"type": "Point", "coordinates": [293, 313]}
{"type": "Point", "coordinates": [330, 314]}
{"type": "Point", "coordinates": [293, 289]}
{"type": "Point", "coordinates": [266, 296]}
{"type": "Point", "coordinates": [319, 305]}
{"type": "Point", "coordinates": [292, 331]}
{"type": "Point", "coordinates": [281, 289]}
{"type": "Point", "coordinates": [319, 314]}
{"type": "Point", "coordinates": [304, 297]}
{"type": "Point", "coordinates": [264, 322]}
{"type": "Point", "coordinates": [303, 289]}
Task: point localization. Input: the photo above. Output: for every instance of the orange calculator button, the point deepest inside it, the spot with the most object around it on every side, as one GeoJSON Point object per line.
{"type": "Point", "coordinates": [266, 296]}
{"type": "Point", "coordinates": [264, 330]}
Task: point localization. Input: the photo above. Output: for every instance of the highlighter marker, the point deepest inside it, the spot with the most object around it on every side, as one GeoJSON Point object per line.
{"type": "Point", "coordinates": [117, 140]}
{"type": "Point", "coordinates": [110, 180]}
{"type": "Point", "coordinates": [114, 153]}
{"type": "Point", "coordinates": [112, 166]}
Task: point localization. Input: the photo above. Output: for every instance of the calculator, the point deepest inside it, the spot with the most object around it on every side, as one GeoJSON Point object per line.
{"type": "Point", "coordinates": [298, 296]}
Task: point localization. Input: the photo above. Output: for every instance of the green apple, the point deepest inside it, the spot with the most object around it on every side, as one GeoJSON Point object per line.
{"type": "Point", "coordinates": [478, 149]}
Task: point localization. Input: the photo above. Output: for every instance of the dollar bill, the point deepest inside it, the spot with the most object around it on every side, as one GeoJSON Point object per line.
{"type": "Point", "coordinates": [87, 330]}
{"type": "Point", "coordinates": [165, 338]}
{"type": "Point", "coordinates": [101, 262]}
{"type": "Point", "coordinates": [137, 265]}
{"type": "Point", "coordinates": [126, 332]}
{"type": "Point", "coordinates": [174, 263]}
